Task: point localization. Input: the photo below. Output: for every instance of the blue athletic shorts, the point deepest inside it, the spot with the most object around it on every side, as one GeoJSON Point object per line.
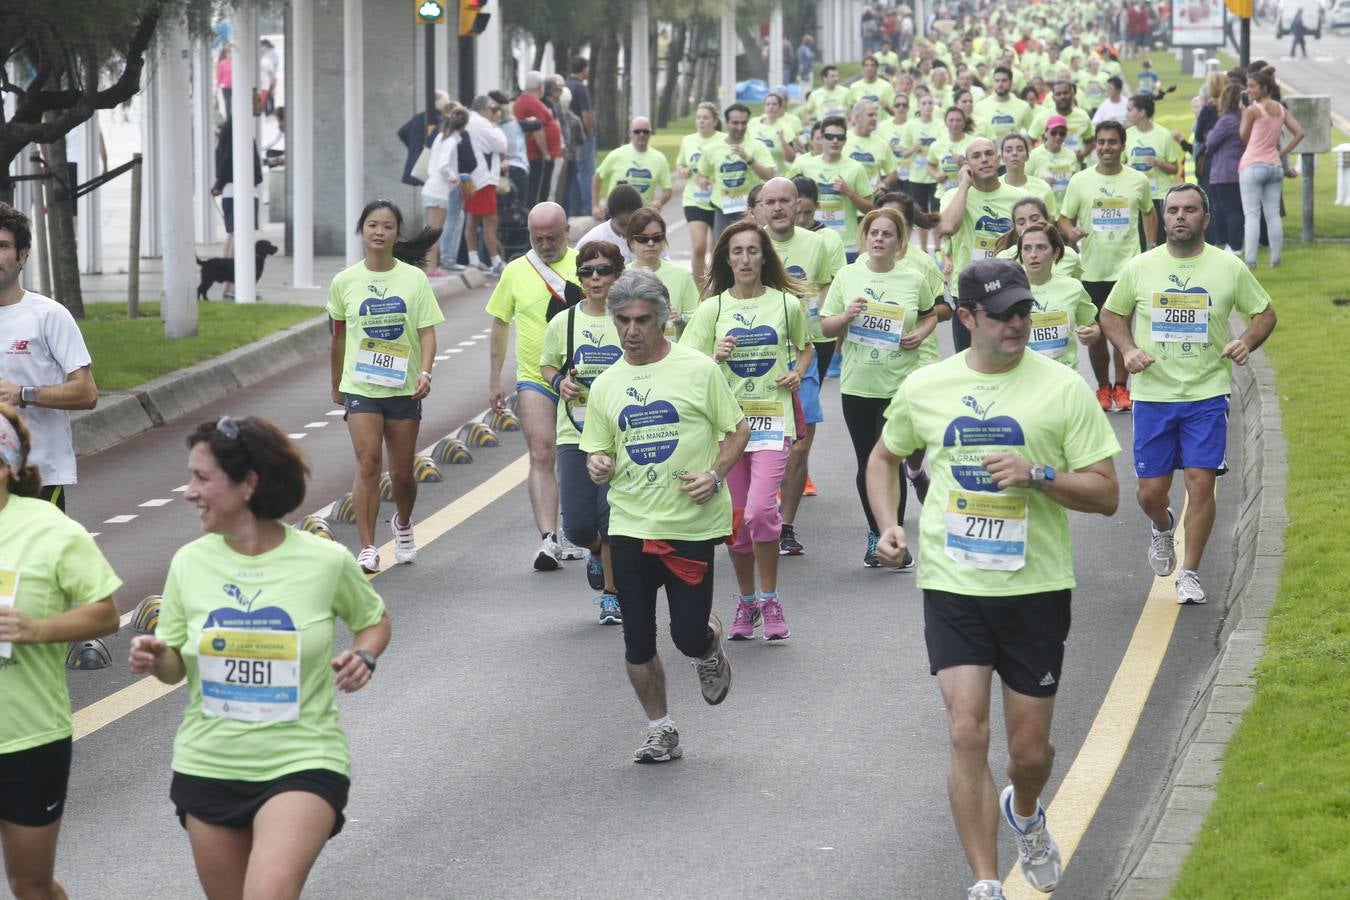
{"type": "Point", "coordinates": [809, 394]}
{"type": "Point", "coordinates": [1180, 435]}
{"type": "Point", "coordinates": [537, 388]}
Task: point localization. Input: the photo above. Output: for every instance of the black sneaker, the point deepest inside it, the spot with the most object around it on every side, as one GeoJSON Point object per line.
{"type": "Point", "coordinates": [788, 545]}
{"type": "Point", "coordinates": [921, 482]}
{"type": "Point", "coordinates": [870, 560]}
{"type": "Point", "coordinates": [906, 562]}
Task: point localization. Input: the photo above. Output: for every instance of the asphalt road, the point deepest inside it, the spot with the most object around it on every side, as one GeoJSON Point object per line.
{"type": "Point", "coordinates": [492, 750]}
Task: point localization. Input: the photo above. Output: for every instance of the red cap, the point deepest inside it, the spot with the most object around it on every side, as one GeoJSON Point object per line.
{"type": "Point", "coordinates": [1056, 122]}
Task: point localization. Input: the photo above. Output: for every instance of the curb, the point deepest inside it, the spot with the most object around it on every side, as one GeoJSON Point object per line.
{"type": "Point", "coordinates": [1230, 685]}
{"type": "Point", "coordinates": [124, 414]}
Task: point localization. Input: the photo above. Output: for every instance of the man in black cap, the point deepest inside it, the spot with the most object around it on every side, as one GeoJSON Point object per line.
{"type": "Point", "coordinates": [1014, 439]}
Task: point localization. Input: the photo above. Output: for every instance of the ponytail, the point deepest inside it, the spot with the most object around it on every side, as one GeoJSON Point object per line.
{"type": "Point", "coordinates": [27, 483]}
{"type": "Point", "coordinates": [414, 250]}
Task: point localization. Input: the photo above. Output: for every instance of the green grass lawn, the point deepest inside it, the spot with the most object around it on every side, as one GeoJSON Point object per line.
{"type": "Point", "coordinates": [130, 352]}
{"type": "Point", "coordinates": [1281, 823]}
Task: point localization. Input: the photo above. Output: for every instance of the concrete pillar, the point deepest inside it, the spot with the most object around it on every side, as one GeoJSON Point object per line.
{"type": "Point", "coordinates": [639, 67]}
{"type": "Point", "coordinates": [727, 69]}
{"type": "Point", "coordinates": [89, 241]}
{"type": "Point", "coordinates": [300, 141]}
{"type": "Point", "coordinates": [488, 55]}
{"type": "Point", "coordinates": [776, 45]}
{"type": "Point", "coordinates": [244, 75]}
{"type": "Point", "coordinates": [24, 193]}
{"type": "Point", "coordinates": [353, 105]}
{"type": "Point", "coordinates": [150, 198]}
{"type": "Point", "coordinates": [206, 221]}
{"type": "Point", "coordinates": [178, 305]}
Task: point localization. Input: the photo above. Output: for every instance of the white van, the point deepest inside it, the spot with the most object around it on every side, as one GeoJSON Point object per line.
{"type": "Point", "coordinates": [1314, 15]}
{"type": "Point", "coordinates": [1340, 15]}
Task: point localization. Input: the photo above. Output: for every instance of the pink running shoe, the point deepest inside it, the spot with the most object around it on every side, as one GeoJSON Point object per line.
{"type": "Point", "coordinates": [775, 626]}
{"type": "Point", "coordinates": [747, 617]}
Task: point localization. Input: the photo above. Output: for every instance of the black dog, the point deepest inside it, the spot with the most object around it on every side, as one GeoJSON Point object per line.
{"type": "Point", "coordinates": [221, 268]}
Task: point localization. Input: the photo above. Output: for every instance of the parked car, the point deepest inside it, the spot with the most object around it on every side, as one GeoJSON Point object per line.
{"type": "Point", "coordinates": [1339, 17]}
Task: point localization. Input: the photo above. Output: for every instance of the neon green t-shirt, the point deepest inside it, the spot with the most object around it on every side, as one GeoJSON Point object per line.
{"type": "Point", "coordinates": [926, 267]}
{"type": "Point", "coordinates": [974, 539]}
{"type": "Point", "coordinates": [1108, 208]}
{"type": "Point", "coordinates": [769, 329]}
{"type": "Point", "coordinates": [1055, 169]}
{"type": "Point", "coordinates": [1181, 309]}
{"type": "Point", "coordinates": [873, 153]}
{"type": "Point", "coordinates": [595, 347]}
{"type": "Point", "coordinates": [691, 151]}
{"type": "Point", "coordinates": [645, 171]}
{"type": "Point", "coordinates": [834, 247]}
{"type": "Point", "coordinates": [684, 297]}
{"type": "Point", "coordinates": [873, 363]}
{"type": "Point", "coordinates": [521, 296]}
{"type": "Point", "coordinates": [1142, 150]}
{"type": "Point", "coordinates": [988, 216]}
{"type": "Point", "coordinates": [1037, 187]}
{"type": "Point", "coordinates": [894, 136]}
{"type": "Point", "coordinates": [1079, 127]}
{"type": "Point", "coordinates": [879, 91]}
{"type": "Point", "coordinates": [788, 126]}
{"type": "Point", "coordinates": [58, 567]}
{"type": "Point", "coordinates": [918, 131]}
{"type": "Point", "coordinates": [1092, 87]}
{"type": "Point", "coordinates": [657, 421]}
{"type": "Point", "coordinates": [948, 156]}
{"type": "Point", "coordinates": [807, 259]}
{"type": "Point", "coordinates": [994, 117]}
{"type": "Point", "coordinates": [1061, 305]}
{"type": "Point", "coordinates": [733, 177]}
{"type": "Point", "coordinates": [825, 102]}
{"type": "Point", "coordinates": [383, 311]}
{"type": "Point", "coordinates": [835, 210]}
{"type": "Point", "coordinates": [256, 636]}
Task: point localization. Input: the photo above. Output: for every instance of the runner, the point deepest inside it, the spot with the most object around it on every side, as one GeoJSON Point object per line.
{"type": "Point", "coordinates": [807, 199]}
{"type": "Point", "coordinates": [384, 339]}
{"type": "Point", "coordinates": [777, 130]}
{"type": "Point", "coordinates": [1031, 211]}
{"type": "Point", "coordinates": [663, 432]}
{"type": "Point", "coordinates": [1062, 306]}
{"type": "Point", "coordinates": [1154, 153]}
{"type": "Point", "coordinates": [1014, 150]}
{"type": "Point", "coordinates": [947, 155]}
{"type": "Point", "coordinates": [807, 259]}
{"type": "Point", "coordinates": [1181, 295]}
{"type": "Point", "coordinates": [646, 242]}
{"type": "Point", "coordinates": [997, 558]}
{"type": "Point", "coordinates": [1077, 123]}
{"type": "Point", "coordinates": [870, 87]}
{"type": "Point", "coordinates": [44, 371]}
{"type": "Point", "coordinates": [830, 99]}
{"type": "Point", "coordinates": [637, 164]}
{"type": "Point", "coordinates": [261, 767]}
{"type": "Point", "coordinates": [623, 202]}
{"type": "Point", "coordinates": [843, 190]}
{"type": "Point", "coordinates": [55, 587]}
{"type": "Point", "coordinates": [920, 135]}
{"type": "Point", "coordinates": [532, 290]}
{"type": "Point", "coordinates": [886, 311]}
{"type": "Point", "coordinates": [1001, 113]}
{"type": "Point", "coordinates": [1052, 161]}
{"type": "Point", "coordinates": [698, 208]}
{"type": "Point", "coordinates": [867, 148]}
{"type": "Point", "coordinates": [1102, 209]}
{"type": "Point", "coordinates": [579, 345]}
{"type": "Point", "coordinates": [731, 167]}
{"type": "Point", "coordinates": [892, 131]}
{"type": "Point", "coordinates": [752, 324]}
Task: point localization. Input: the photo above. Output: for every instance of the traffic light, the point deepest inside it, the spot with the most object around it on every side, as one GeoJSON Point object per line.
{"type": "Point", "coordinates": [472, 19]}
{"type": "Point", "coordinates": [428, 12]}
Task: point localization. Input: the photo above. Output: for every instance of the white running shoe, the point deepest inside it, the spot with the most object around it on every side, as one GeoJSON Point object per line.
{"type": "Point", "coordinates": [1037, 852]}
{"type": "Point", "coordinates": [985, 890]}
{"type": "Point", "coordinates": [368, 559]}
{"type": "Point", "coordinates": [405, 548]}
{"type": "Point", "coordinates": [546, 560]}
{"type": "Point", "coordinates": [1162, 550]}
{"type": "Point", "coordinates": [1188, 587]}
{"type": "Point", "coordinates": [567, 549]}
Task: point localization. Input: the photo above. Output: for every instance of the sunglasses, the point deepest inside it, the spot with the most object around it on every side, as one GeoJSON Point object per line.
{"type": "Point", "coordinates": [588, 271]}
{"type": "Point", "coordinates": [1020, 310]}
{"type": "Point", "coordinates": [649, 238]}
{"type": "Point", "coordinates": [834, 136]}
{"type": "Point", "coordinates": [1058, 131]}
{"type": "Point", "coordinates": [642, 131]}
{"type": "Point", "coordinates": [228, 427]}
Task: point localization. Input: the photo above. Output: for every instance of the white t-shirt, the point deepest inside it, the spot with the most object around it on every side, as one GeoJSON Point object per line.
{"type": "Point", "coordinates": [605, 232]}
{"type": "Point", "coordinates": [1111, 110]}
{"type": "Point", "coordinates": [441, 166]}
{"type": "Point", "coordinates": [40, 345]}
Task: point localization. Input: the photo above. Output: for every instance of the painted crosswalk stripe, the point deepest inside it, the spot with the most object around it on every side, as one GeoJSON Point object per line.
{"type": "Point", "coordinates": [118, 520]}
{"type": "Point", "coordinates": [316, 424]}
{"type": "Point", "coordinates": [154, 503]}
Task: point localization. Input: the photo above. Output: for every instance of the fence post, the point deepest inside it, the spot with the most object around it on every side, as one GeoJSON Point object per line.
{"type": "Point", "coordinates": [1308, 173]}
{"type": "Point", "coordinates": [134, 263]}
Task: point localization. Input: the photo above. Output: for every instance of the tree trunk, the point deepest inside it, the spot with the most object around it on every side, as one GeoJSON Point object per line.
{"type": "Point", "coordinates": [674, 53]}
{"type": "Point", "coordinates": [540, 44]}
{"type": "Point", "coordinates": [605, 87]}
{"type": "Point", "coordinates": [61, 222]}
{"type": "Point", "coordinates": [752, 63]}
{"type": "Point", "coordinates": [686, 87]}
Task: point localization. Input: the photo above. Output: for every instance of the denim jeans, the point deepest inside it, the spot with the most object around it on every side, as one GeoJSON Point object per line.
{"type": "Point", "coordinates": [453, 230]}
{"type": "Point", "coordinates": [581, 182]}
{"type": "Point", "coordinates": [1260, 185]}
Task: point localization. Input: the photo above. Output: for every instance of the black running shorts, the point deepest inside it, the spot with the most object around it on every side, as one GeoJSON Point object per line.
{"type": "Point", "coordinates": [1021, 637]}
{"type": "Point", "coordinates": [218, 801]}
{"type": "Point", "coordinates": [33, 784]}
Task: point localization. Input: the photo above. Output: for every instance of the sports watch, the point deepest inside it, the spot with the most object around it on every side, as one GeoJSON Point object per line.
{"type": "Point", "coordinates": [717, 480]}
{"type": "Point", "coordinates": [1042, 476]}
{"type": "Point", "coordinates": [366, 657]}
{"type": "Point", "coordinates": [27, 396]}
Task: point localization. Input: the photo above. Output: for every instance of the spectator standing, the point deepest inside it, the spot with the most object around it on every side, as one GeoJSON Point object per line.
{"type": "Point", "coordinates": [530, 105]}
{"type": "Point", "coordinates": [579, 199]}
{"type": "Point", "coordinates": [1300, 32]}
{"type": "Point", "coordinates": [517, 170]}
{"type": "Point", "coordinates": [553, 131]}
{"type": "Point", "coordinates": [1261, 169]}
{"type": "Point", "coordinates": [269, 62]}
{"type": "Point", "coordinates": [1205, 117]}
{"type": "Point", "coordinates": [1224, 147]}
{"type": "Point", "coordinates": [574, 135]}
{"type": "Point", "coordinates": [806, 63]}
{"type": "Point", "coordinates": [225, 77]}
{"type": "Point", "coordinates": [452, 164]}
{"type": "Point", "coordinates": [417, 134]}
{"type": "Point", "coordinates": [224, 186]}
{"type": "Point", "coordinates": [489, 144]}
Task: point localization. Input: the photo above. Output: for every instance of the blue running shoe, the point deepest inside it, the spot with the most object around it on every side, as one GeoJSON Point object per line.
{"type": "Point", "coordinates": [835, 364]}
{"type": "Point", "coordinates": [595, 571]}
{"type": "Point", "coordinates": [609, 610]}
{"type": "Point", "coordinates": [870, 557]}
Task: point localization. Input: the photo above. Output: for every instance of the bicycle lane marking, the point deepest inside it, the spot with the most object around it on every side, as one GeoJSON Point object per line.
{"type": "Point", "coordinates": [104, 712]}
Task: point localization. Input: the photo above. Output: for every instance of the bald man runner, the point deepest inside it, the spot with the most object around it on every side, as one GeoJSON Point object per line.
{"type": "Point", "coordinates": [532, 290]}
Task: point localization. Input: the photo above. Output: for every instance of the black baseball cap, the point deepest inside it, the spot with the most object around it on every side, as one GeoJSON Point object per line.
{"type": "Point", "coordinates": [994, 284]}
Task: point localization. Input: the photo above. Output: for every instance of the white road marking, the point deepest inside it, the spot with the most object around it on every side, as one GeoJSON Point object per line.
{"type": "Point", "coordinates": [154, 503]}
{"type": "Point", "coordinates": [180, 489]}
{"type": "Point", "coordinates": [468, 343]}
{"type": "Point", "coordinates": [316, 424]}
{"type": "Point", "coordinates": [297, 436]}
{"type": "Point", "coordinates": [118, 520]}
{"type": "Point", "coordinates": [335, 412]}
{"type": "Point", "coordinates": [95, 533]}
{"type": "Point", "coordinates": [455, 350]}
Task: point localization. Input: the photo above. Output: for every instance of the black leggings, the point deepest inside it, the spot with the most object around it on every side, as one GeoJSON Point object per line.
{"type": "Point", "coordinates": [824, 353]}
{"type": "Point", "coordinates": [864, 417]}
{"type": "Point", "coordinates": [637, 578]}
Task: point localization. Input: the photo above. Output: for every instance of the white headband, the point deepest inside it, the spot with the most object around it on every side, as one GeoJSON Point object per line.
{"type": "Point", "coordinates": [11, 451]}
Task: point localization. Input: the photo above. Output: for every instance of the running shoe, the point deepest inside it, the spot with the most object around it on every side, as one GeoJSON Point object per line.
{"type": "Point", "coordinates": [836, 366]}
{"type": "Point", "coordinates": [567, 549]}
{"type": "Point", "coordinates": [455, 267]}
{"type": "Point", "coordinates": [1037, 852]}
{"type": "Point", "coordinates": [1121, 394]}
{"type": "Point", "coordinates": [1104, 397]}
{"type": "Point", "coordinates": [810, 489]}
{"type": "Point", "coordinates": [1188, 587]}
{"type": "Point", "coordinates": [921, 481]}
{"type": "Point", "coordinates": [368, 559]}
{"type": "Point", "coordinates": [595, 571]}
{"type": "Point", "coordinates": [747, 617]}
{"type": "Point", "coordinates": [405, 548]}
{"type": "Point", "coordinates": [609, 610]}
{"type": "Point", "coordinates": [714, 670]}
{"type": "Point", "coordinates": [1162, 549]}
{"type": "Point", "coordinates": [497, 269]}
{"type": "Point", "coordinates": [906, 561]}
{"type": "Point", "coordinates": [546, 560]}
{"type": "Point", "coordinates": [660, 744]}
{"type": "Point", "coordinates": [775, 626]}
{"type": "Point", "coordinates": [870, 560]}
{"type": "Point", "coordinates": [788, 545]}
{"type": "Point", "coordinates": [985, 890]}
{"type": "Point", "coordinates": [438, 273]}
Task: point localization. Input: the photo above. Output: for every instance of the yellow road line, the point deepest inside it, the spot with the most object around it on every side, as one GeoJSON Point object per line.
{"type": "Point", "coordinates": [1094, 768]}
{"type": "Point", "coordinates": [104, 712]}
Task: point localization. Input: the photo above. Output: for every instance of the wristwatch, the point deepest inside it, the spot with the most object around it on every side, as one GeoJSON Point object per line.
{"type": "Point", "coordinates": [1042, 476]}
{"type": "Point", "coordinates": [717, 480]}
{"type": "Point", "coordinates": [425, 374]}
{"type": "Point", "coordinates": [366, 657]}
{"type": "Point", "coordinates": [27, 396]}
